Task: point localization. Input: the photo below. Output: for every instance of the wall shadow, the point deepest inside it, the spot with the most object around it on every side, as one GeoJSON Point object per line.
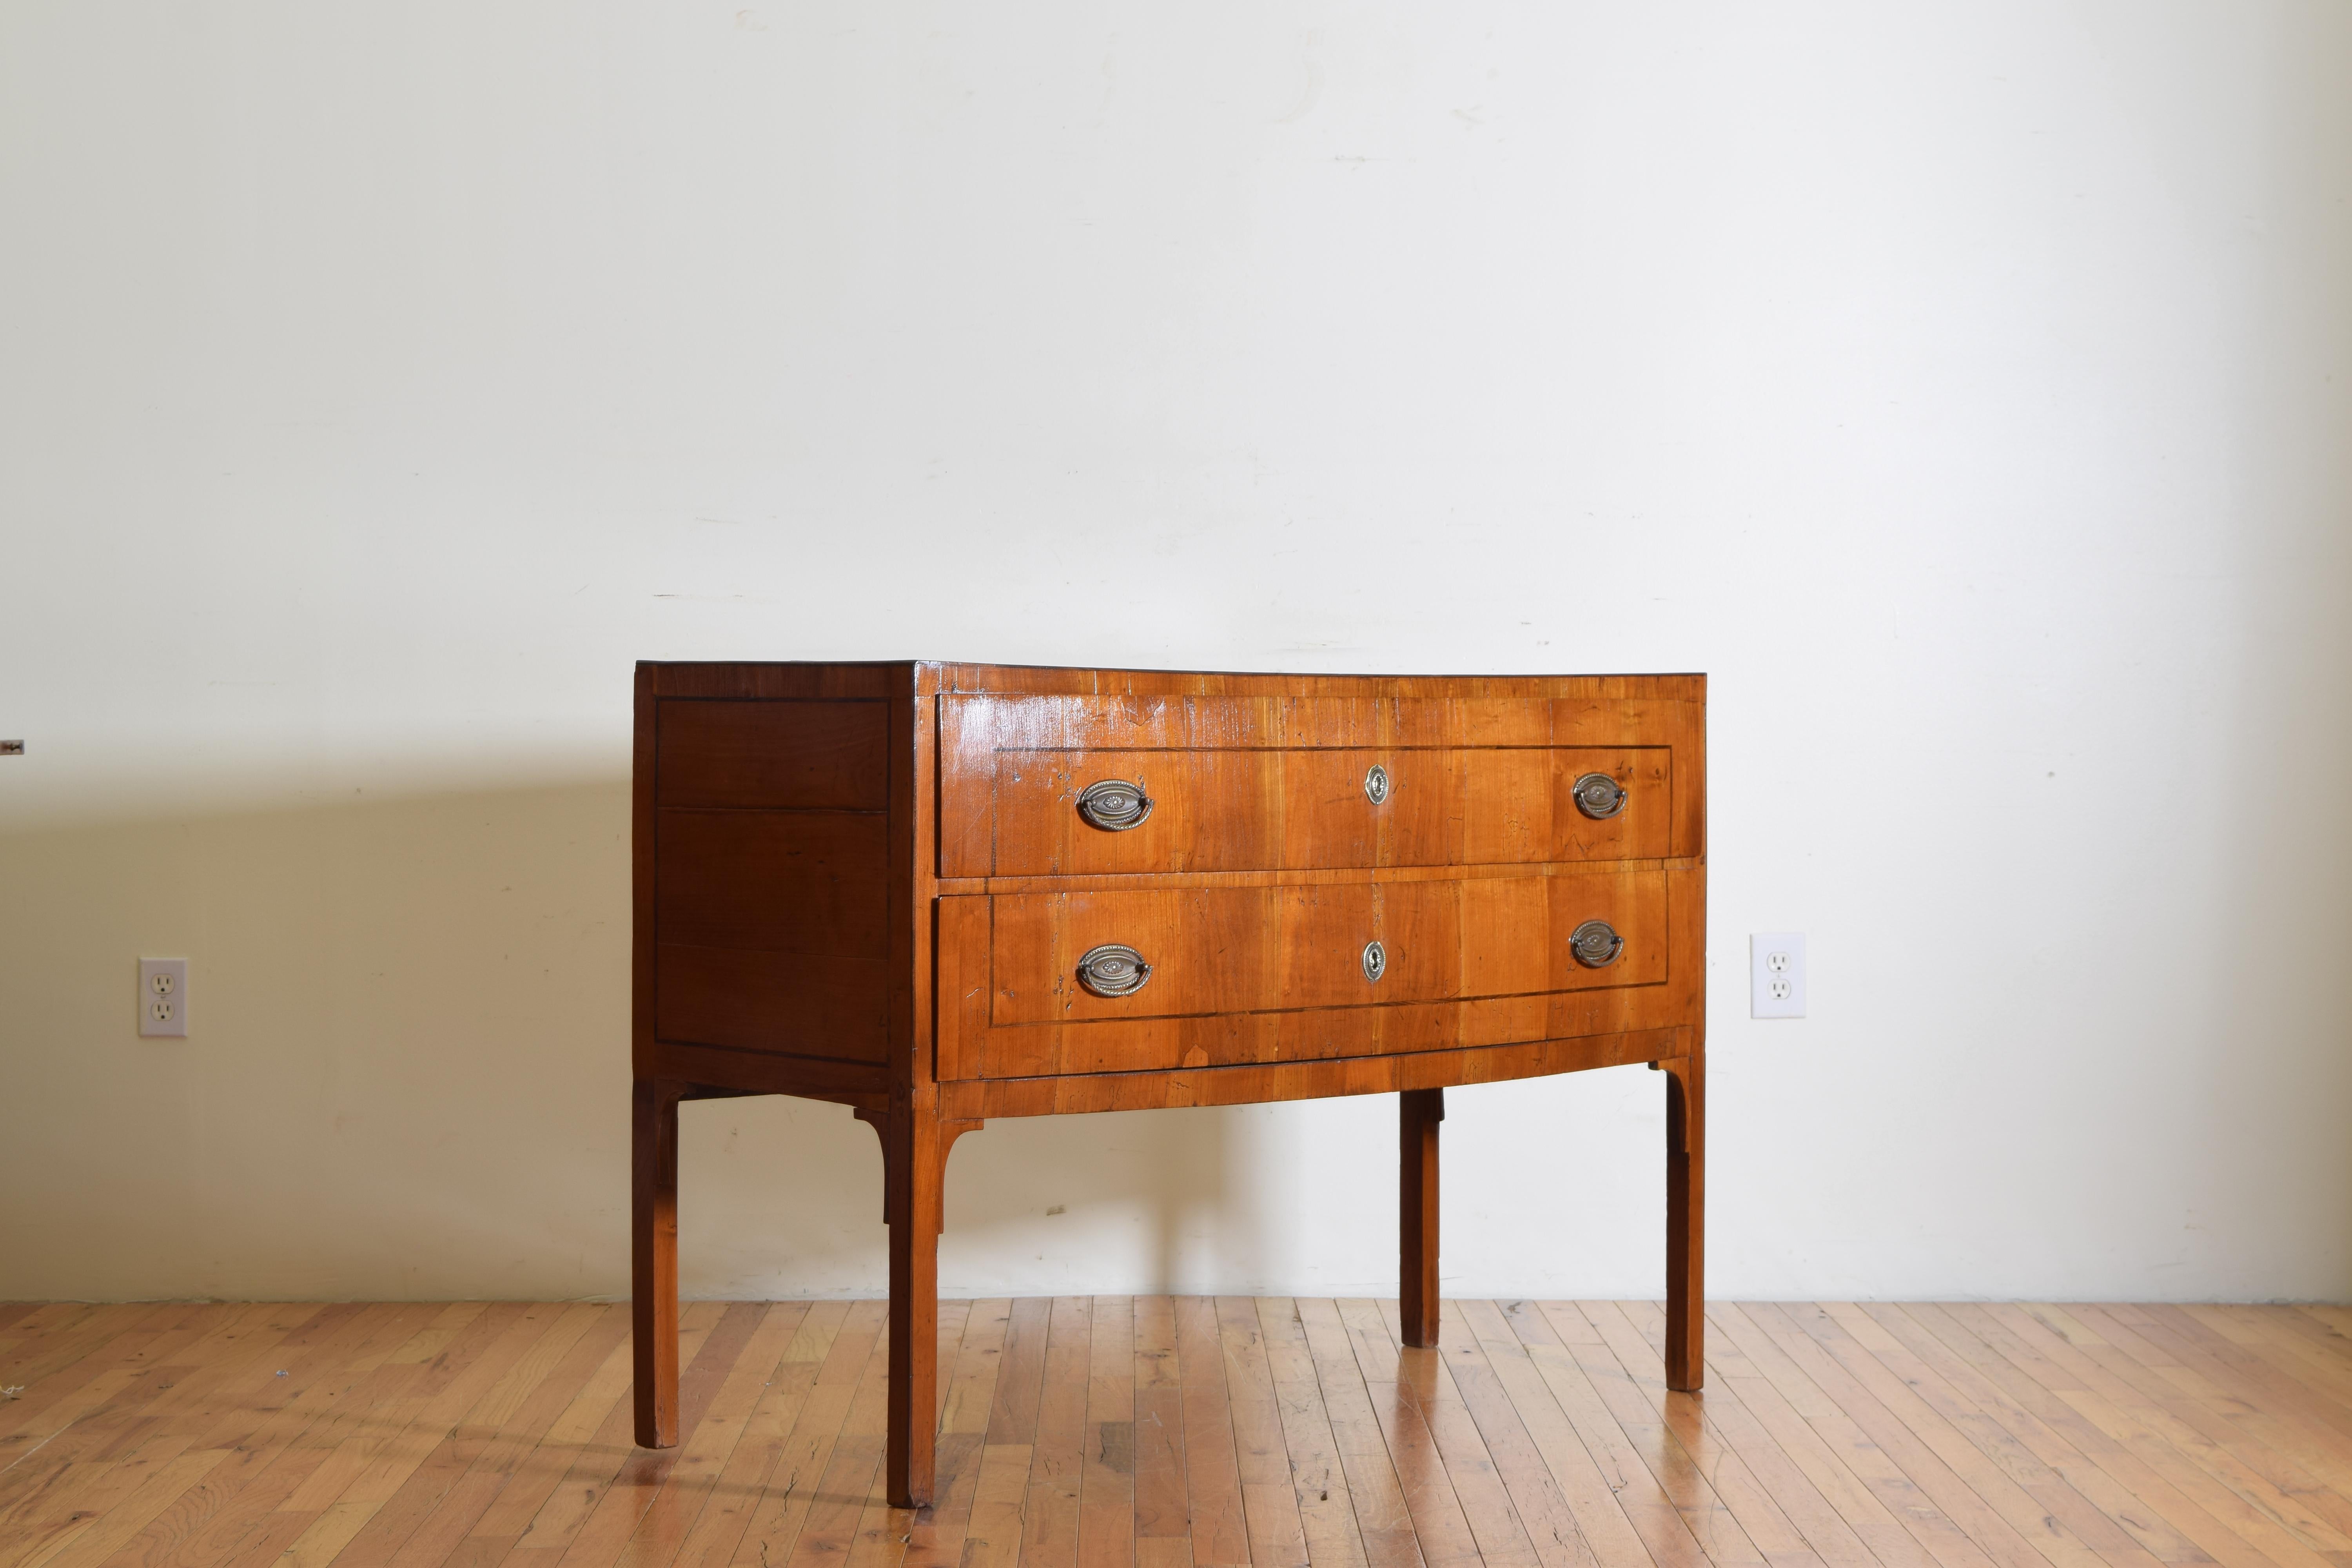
{"type": "Point", "coordinates": [407, 1073]}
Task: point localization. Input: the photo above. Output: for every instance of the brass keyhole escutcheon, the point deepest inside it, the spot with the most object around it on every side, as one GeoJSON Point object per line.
{"type": "Point", "coordinates": [1376, 961]}
{"type": "Point", "coordinates": [1376, 785]}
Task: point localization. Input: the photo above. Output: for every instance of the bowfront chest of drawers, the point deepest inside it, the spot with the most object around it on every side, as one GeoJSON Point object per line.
{"type": "Point", "coordinates": [939, 893]}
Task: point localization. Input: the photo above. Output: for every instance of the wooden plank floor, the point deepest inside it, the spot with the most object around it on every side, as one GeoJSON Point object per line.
{"type": "Point", "coordinates": [1152, 1432]}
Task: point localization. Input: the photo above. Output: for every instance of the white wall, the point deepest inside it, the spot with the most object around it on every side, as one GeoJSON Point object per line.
{"type": "Point", "coordinates": [1965, 386]}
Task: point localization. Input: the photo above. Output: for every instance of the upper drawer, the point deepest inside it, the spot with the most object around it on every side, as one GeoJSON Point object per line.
{"type": "Point", "coordinates": [1261, 785]}
{"type": "Point", "coordinates": [1301, 810]}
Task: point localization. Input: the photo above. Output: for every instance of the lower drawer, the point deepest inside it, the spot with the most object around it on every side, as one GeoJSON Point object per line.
{"type": "Point", "coordinates": [1288, 972]}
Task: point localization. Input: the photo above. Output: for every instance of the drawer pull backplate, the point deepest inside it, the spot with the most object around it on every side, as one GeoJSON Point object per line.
{"type": "Point", "coordinates": [1113, 806]}
{"type": "Point", "coordinates": [1600, 796]}
{"type": "Point", "coordinates": [1376, 961]}
{"type": "Point", "coordinates": [1112, 969]}
{"type": "Point", "coordinates": [1596, 944]}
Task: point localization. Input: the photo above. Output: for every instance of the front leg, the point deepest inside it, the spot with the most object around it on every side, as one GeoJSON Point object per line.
{"type": "Point", "coordinates": [652, 1248]}
{"type": "Point", "coordinates": [915, 1145]}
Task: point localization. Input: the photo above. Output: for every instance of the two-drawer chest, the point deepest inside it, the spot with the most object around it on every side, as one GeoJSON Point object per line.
{"type": "Point", "coordinates": [939, 893]}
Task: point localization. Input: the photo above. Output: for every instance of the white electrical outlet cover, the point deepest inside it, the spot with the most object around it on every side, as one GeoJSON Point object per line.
{"type": "Point", "coordinates": [1776, 974]}
{"type": "Point", "coordinates": [163, 998]}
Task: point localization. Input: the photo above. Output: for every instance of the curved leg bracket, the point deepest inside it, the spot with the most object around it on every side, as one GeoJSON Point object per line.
{"type": "Point", "coordinates": [899, 1158]}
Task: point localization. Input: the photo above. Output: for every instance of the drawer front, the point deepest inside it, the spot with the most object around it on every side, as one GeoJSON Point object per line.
{"type": "Point", "coordinates": [1226, 950]}
{"type": "Point", "coordinates": [1266, 785]}
{"type": "Point", "coordinates": [1278, 973]}
{"type": "Point", "coordinates": [1313, 810]}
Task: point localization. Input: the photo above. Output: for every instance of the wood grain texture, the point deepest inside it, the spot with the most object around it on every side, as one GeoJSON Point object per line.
{"type": "Point", "coordinates": [1420, 1112]}
{"type": "Point", "coordinates": [1251, 782]}
{"type": "Point", "coordinates": [1258, 975]}
{"type": "Point", "coordinates": [957, 678]}
{"type": "Point", "coordinates": [1250, 950]}
{"type": "Point", "coordinates": [1235, 810]}
{"type": "Point", "coordinates": [1169, 1432]}
{"type": "Point", "coordinates": [1686, 1220]}
{"type": "Point", "coordinates": [868, 883]}
{"type": "Point", "coordinates": [1390, 1074]}
{"type": "Point", "coordinates": [771, 930]}
{"type": "Point", "coordinates": [770, 1072]}
{"type": "Point", "coordinates": [773, 881]}
{"type": "Point", "coordinates": [796, 754]}
{"type": "Point", "coordinates": [789, 1005]}
{"type": "Point", "coordinates": [653, 1262]}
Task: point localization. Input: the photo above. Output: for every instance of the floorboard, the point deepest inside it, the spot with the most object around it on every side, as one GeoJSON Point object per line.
{"type": "Point", "coordinates": [1182, 1431]}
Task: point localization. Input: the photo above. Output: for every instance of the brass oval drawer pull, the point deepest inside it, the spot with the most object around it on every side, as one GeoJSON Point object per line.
{"type": "Point", "coordinates": [1599, 796]}
{"type": "Point", "coordinates": [1112, 969]}
{"type": "Point", "coordinates": [1376, 961]}
{"type": "Point", "coordinates": [1114, 805]}
{"type": "Point", "coordinates": [1596, 944]}
{"type": "Point", "coordinates": [1376, 785]}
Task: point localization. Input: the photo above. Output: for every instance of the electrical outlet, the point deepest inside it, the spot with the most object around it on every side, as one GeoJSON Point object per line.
{"type": "Point", "coordinates": [163, 998]}
{"type": "Point", "coordinates": [1776, 974]}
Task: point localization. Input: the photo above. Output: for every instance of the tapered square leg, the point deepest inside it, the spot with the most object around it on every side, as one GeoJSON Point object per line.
{"type": "Point", "coordinates": [1419, 1111]}
{"type": "Point", "coordinates": [914, 1208]}
{"type": "Point", "coordinates": [1686, 1223]}
{"type": "Point", "coordinates": [915, 1145]}
{"type": "Point", "coordinates": [652, 1248]}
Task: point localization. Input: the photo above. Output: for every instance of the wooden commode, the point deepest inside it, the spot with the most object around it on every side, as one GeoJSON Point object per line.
{"type": "Point", "coordinates": [938, 893]}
